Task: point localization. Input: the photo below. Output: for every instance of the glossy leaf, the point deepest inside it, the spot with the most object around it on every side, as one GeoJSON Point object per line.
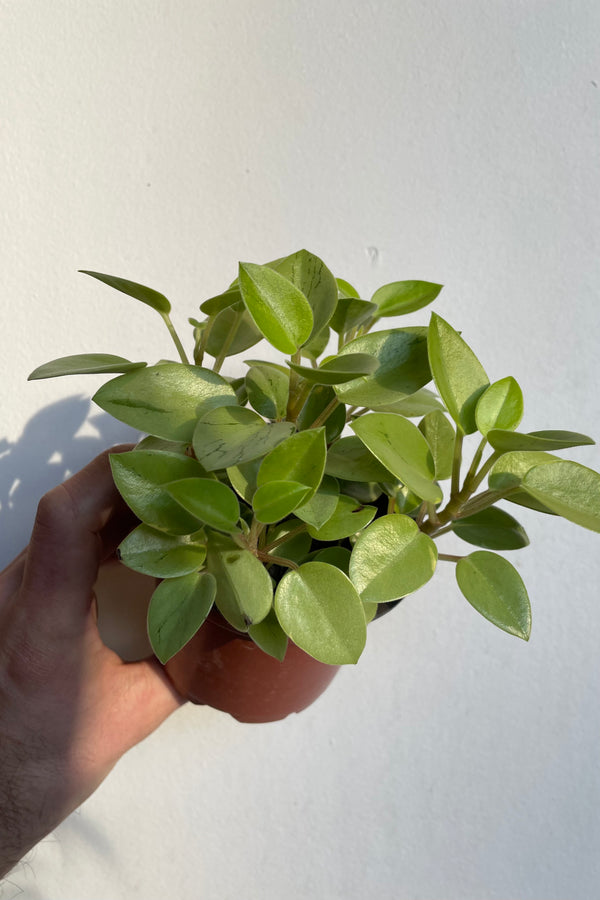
{"type": "Point", "coordinates": [363, 491]}
{"type": "Point", "coordinates": [568, 489]}
{"type": "Point", "coordinates": [338, 370]}
{"type": "Point", "coordinates": [509, 471]}
{"type": "Point", "coordinates": [319, 608]}
{"type": "Point", "coordinates": [178, 608]}
{"type": "Point", "coordinates": [400, 447]}
{"type": "Point", "coordinates": [345, 289]}
{"type": "Point", "coordinates": [296, 547]}
{"type": "Point", "coordinates": [507, 441]}
{"type": "Point", "coordinates": [493, 529]}
{"type": "Point", "coordinates": [403, 367]}
{"type": "Point", "coordinates": [268, 390]}
{"type": "Point", "coordinates": [234, 435]}
{"type": "Point", "coordinates": [321, 505]}
{"type": "Point", "coordinates": [279, 309]}
{"type": "Point", "coordinates": [141, 477]}
{"type": "Point", "coordinates": [334, 556]}
{"type": "Point", "coordinates": [402, 297]}
{"type": "Point", "coordinates": [459, 376]}
{"type": "Point", "coordinates": [315, 345]}
{"type": "Point", "coordinates": [300, 458]}
{"type": "Point", "coordinates": [351, 313]}
{"type": "Point", "coordinates": [244, 588]}
{"type": "Point", "coordinates": [500, 406]}
{"type": "Point", "coordinates": [153, 443]}
{"type": "Point", "coordinates": [212, 502]}
{"type": "Point", "coordinates": [140, 292]}
{"type": "Point", "coordinates": [161, 555]}
{"type": "Point", "coordinates": [165, 400]}
{"type": "Point", "coordinates": [439, 434]}
{"type": "Point", "coordinates": [391, 558]}
{"type": "Point", "coordinates": [319, 398]}
{"type": "Point", "coordinates": [420, 403]}
{"type": "Point", "coordinates": [349, 518]}
{"type": "Point", "coordinates": [84, 364]}
{"type": "Point", "coordinates": [243, 478]}
{"type": "Point", "coordinates": [312, 277]}
{"type": "Point", "coordinates": [275, 500]}
{"type": "Point", "coordinates": [495, 589]}
{"type": "Point", "coordinates": [270, 636]}
{"type": "Point", "coordinates": [348, 458]}
{"type": "Point", "coordinates": [215, 305]}
{"type": "Point", "coordinates": [246, 334]}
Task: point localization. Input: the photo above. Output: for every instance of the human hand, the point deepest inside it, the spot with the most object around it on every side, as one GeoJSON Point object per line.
{"type": "Point", "coordinates": [69, 706]}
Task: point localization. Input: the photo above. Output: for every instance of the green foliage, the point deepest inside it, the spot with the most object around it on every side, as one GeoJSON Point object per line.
{"type": "Point", "coordinates": [299, 495]}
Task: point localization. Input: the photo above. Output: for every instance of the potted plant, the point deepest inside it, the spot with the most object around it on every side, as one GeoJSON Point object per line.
{"type": "Point", "coordinates": [283, 510]}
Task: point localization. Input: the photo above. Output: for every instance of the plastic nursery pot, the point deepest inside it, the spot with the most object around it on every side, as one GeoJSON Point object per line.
{"type": "Point", "coordinates": [223, 668]}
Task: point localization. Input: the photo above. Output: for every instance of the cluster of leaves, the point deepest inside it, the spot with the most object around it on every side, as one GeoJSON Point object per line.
{"type": "Point", "coordinates": [301, 496]}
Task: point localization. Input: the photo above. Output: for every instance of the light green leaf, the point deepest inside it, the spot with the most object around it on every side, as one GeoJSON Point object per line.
{"type": "Point", "coordinates": [279, 309]}
{"type": "Point", "coordinates": [165, 400]}
{"type": "Point", "coordinates": [183, 448]}
{"type": "Point", "coordinates": [138, 291]}
{"type": "Point", "coordinates": [244, 587]}
{"type": "Point", "coordinates": [312, 277]}
{"type": "Point", "coordinates": [338, 370]}
{"type": "Point", "coordinates": [270, 636]}
{"type": "Point", "coordinates": [493, 529]}
{"type": "Point", "coordinates": [178, 608]}
{"type": "Point", "coordinates": [320, 610]}
{"type": "Point", "coordinates": [351, 313]}
{"type": "Point", "coordinates": [141, 477]}
{"type": "Point", "coordinates": [84, 364]}
{"type": "Point", "coordinates": [234, 435]}
{"type": "Point", "coordinates": [439, 434]}
{"type": "Point", "coordinates": [208, 500]}
{"type": "Point", "coordinates": [391, 558]}
{"type": "Point", "coordinates": [568, 489]}
{"type": "Point", "coordinates": [400, 447]}
{"type": "Point", "coordinates": [300, 458]}
{"type": "Point", "coordinates": [161, 555]}
{"type": "Point", "coordinates": [319, 398]}
{"type": "Point", "coordinates": [364, 491]}
{"type": "Point", "coordinates": [349, 518]}
{"type": "Point", "coordinates": [222, 301]}
{"type": "Point", "coordinates": [243, 478]}
{"type": "Point", "coordinates": [509, 471]}
{"type": "Point", "coordinates": [335, 556]}
{"type": "Point", "coordinates": [322, 504]}
{"type": "Point", "coordinates": [268, 390]}
{"type": "Point", "coordinates": [349, 459]}
{"type": "Point", "coordinates": [246, 334]}
{"type": "Point", "coordinates": [507, 441]}
{"type": "Point", "coordinates": [403, 367]}
{"type": "Point", "coordinates": [417, 404]}
{"type": "Point", "coordinates": [459, 376]}
{"type": "Point", "coordinates": [313, 348]}
{"type": "Point", "coordinates": [402, 297]}
{"type": "Point", "coordinates": [500, 406]}
{"type": "Point", "coordinates": [345, 289]}
{"type": "Point", "coordinates": [495, 589]}
{"type": "Point", "coordinates": [275, 500]}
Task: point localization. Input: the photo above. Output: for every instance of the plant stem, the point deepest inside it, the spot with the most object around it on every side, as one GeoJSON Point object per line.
{"type": "Point", "coordinates": [458, 442]}
{"type": "Point", "coordinates": [449, 557]}
{"type": "Point", "coordinates": [167, 320]}
{"type": "Point", "coordinates": [485, 469]}
{"type": "Point", "coordinates": [421, 514]}
{"type": "Point", "coordinates": [324, 415]}
{"type": "Point", "coordinates": [220, 359]}
{"type": "Point", "coordinates": [276, 560]}
{"type": "Point", "coordinates": [285, 537]}
{"type": "Point", "coordinates": [480, 502]}
{"type": "Point", "coordinates": [470, 476]}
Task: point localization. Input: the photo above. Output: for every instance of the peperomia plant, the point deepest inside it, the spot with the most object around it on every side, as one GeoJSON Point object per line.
{"type": "Point", "coordinates": [299, 497]}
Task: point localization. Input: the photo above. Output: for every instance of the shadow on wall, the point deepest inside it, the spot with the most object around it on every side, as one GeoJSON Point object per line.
{"type": "Point", "coordinates": [49, 449]}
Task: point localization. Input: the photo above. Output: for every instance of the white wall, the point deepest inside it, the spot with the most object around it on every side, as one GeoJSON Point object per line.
{"type": "Point", "coordinates": [454, 142]}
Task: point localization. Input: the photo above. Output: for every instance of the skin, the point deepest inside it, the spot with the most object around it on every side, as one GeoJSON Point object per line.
{"type": "Point", "coordinates": [69, 706]}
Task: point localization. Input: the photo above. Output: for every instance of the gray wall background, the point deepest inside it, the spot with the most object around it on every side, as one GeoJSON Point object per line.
{"type": "Point", "coordinates": [453, 142]}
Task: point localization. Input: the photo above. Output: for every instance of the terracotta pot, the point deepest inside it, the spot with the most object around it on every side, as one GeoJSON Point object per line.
{"type": "Point", "coordinates": [223, 668]}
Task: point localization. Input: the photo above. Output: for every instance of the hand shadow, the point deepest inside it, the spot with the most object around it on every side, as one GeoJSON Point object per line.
{"type": "Point", "coordinates": [53, 445]}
